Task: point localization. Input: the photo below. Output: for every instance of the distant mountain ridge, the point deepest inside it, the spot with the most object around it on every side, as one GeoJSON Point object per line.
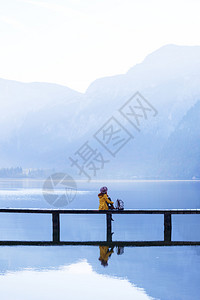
{"type": "Point", "coordinates": [42, 124]}
{"type": "Point", "coordinates": [182, 150]}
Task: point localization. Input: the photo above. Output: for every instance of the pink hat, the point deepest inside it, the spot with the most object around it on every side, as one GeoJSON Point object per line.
{"type": "Point", "coordinates": [103, 190]}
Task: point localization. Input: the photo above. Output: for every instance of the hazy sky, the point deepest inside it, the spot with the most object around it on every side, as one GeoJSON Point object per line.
{"type": "Point", "coordinates": [73, 42]}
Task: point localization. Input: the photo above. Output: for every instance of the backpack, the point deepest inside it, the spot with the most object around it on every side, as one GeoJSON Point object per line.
{"type": "Point", "coordinates": [120, 250]}
{"type": "Point", "coordinates": [119, 204]}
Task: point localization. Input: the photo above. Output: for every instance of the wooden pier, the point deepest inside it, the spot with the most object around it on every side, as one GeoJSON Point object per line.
{"type": "Point", "coordinates": [167, 213]}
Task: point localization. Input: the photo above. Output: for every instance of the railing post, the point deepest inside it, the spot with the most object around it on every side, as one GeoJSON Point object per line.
{"type": "Point", "coordinates": [109, 227]}
{"type": "Point", "coordinates": [167, 227]}
{"type": "Point", "coordinates": [56, 226]}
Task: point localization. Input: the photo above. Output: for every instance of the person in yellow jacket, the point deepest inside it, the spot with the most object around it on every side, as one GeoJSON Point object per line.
{"type": "Point", "coordinates": [103, 199]}
{"type": "Point", "coordinates": [105, 253]}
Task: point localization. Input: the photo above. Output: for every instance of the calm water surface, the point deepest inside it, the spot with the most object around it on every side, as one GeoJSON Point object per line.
{"type": "Point", "coordinates": [35, 272]}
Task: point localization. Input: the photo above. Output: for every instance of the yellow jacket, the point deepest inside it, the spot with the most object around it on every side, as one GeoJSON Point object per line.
{"type": "Point", "coordinates": [105, 253]}
{"type": "Point", "coordinates": [103, 200]}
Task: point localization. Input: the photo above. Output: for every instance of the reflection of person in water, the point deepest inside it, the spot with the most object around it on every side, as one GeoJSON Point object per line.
{"type": "Point", "coordinates": [105, 253]}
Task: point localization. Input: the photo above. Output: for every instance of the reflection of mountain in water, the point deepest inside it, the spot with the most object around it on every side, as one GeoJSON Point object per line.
{"type": "Point", "coordinates": [163, 272]}
{"type": "Point", "coordinates": [78, 280]}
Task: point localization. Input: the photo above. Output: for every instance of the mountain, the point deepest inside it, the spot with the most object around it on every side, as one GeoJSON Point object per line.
{"type": "Point", "coordinates": [28, 111]}
{"type": "Point", "coordinates": [181, 153]}
{"type": "Point", "coordinates": [43, 124]}
{"type": "Point", "coordinates": [18, 99]}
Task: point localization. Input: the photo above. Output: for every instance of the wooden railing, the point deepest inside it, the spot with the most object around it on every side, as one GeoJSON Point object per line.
{"type": "Point", "coordinates": [167, 213]}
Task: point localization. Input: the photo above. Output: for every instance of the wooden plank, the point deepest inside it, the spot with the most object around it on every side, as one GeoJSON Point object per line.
{"type": "Point", "coordinates": [93, 211]}
{"type": "Point", "coordinates": [56, 227]}
{"type": "Point", "coordinates": [56, 219]}
{"type": "Point", "coordinates": [167, 227]}
{"type": "Point", "coordinates": [109, 227]}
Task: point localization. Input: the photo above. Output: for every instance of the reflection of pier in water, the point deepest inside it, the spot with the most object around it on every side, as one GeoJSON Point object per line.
{"type": "Point", "coordinates": [101, 243]}
{"type": "Point", "coordinates": [167, 213]}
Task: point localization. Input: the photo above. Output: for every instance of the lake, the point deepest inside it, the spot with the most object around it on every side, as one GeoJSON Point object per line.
{"type": "Point", "coordinates": [46, 272]}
